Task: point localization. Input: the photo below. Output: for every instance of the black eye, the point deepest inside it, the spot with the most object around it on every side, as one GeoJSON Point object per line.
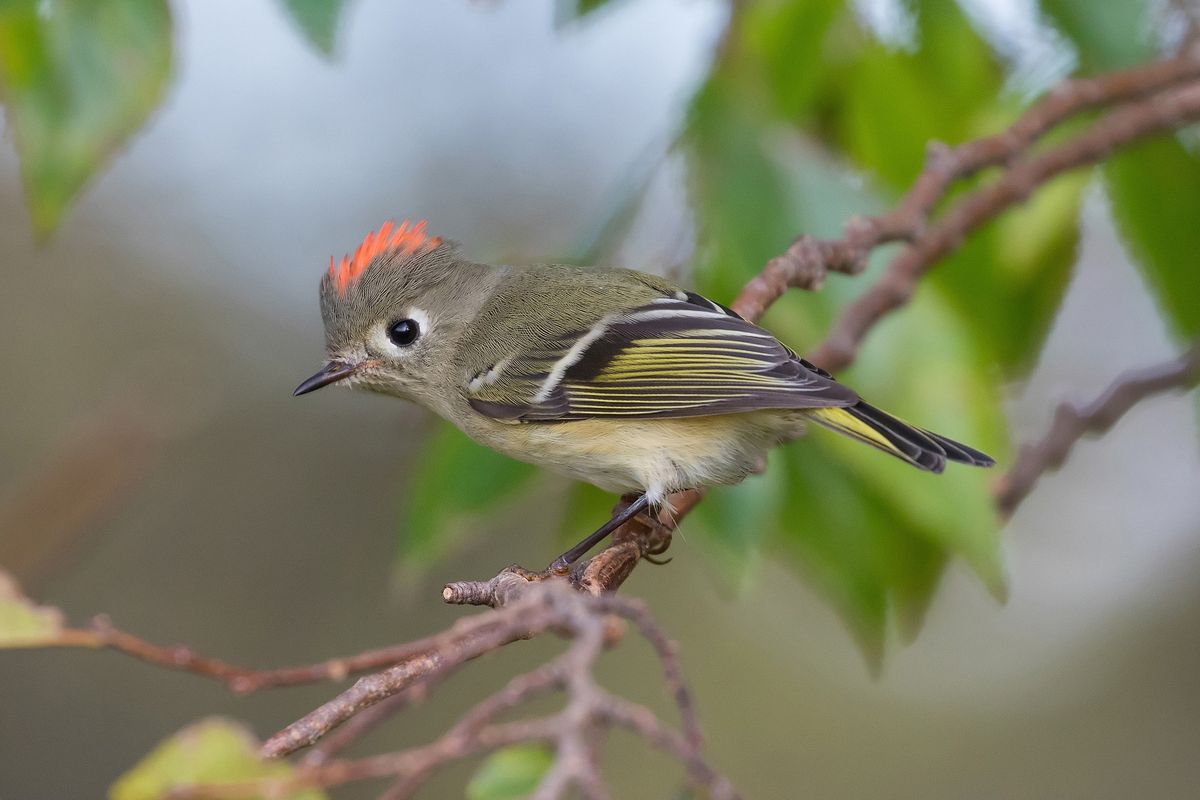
{"type": "Point", "coordinates": [404, 332]}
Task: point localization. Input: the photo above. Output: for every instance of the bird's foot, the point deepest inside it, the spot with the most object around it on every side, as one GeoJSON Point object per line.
{"type": "Point", "coordinates": [646, 538]}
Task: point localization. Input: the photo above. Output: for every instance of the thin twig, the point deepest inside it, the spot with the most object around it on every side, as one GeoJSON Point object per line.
{"type": "Point", "coordinates": [1161, 112]}
{"type": "Point", "coordinates": [1072, 423]}
{"type": "Point", "coordinates": [243, 680]}
{"type": "Point", "coordinates": [571, 732]}
{"type": "Point", "coordinates": [808, 260]}
{"type": "Point", "coordinates": [336, 773]}
{"type": "Point", "coordinates": [367, 721]}
{"type": "Point", "coordinates": [469, 638]}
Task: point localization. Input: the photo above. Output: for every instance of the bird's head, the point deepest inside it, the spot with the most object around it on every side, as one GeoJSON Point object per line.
{"type": "Point", "coordinates": [395, 311]}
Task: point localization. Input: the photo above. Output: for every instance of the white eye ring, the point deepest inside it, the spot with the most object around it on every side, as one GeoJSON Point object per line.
{"type": "Point", "coordinates": [382, 340]}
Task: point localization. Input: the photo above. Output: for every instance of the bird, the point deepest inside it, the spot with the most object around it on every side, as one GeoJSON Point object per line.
{"type": "Point", "coordinates": [607, 375]}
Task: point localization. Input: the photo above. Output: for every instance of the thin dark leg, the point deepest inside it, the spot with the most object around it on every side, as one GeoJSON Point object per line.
{"type": "Point", "coordinates": [563, 563]}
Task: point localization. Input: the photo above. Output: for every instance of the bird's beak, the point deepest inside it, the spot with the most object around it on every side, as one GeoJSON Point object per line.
{"type": "Point", "coordinates": [332, 372]}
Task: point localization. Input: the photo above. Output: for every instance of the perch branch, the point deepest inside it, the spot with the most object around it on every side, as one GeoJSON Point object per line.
{"type": "Point", "coordinates": [1072, 423]}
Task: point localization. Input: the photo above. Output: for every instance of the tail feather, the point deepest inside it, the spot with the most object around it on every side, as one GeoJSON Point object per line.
{"type": "Point", "coordinates": [881, 430]}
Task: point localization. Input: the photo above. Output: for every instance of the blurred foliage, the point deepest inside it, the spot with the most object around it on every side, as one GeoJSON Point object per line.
{"type": "Point", "coordinates": [1106, 35]}
{"type": "Point", "coordinates": [808, 116]}
{"type": "Point", "coordinates": [318, 19]}
{"type": "Point", "coordinates": [510, 773]}
{"type": "Point", "coordinates": [458, 480]}
{"type": "Point", "coordinates": [22, 622]}
{"type": "Point", "coordinates": [568, 11]}
{"type": "Point", "coordinates": [1156, 201]}
{"type": "Point", "coordinates": [212, 751]}
{"type": "Point", "coordinates": [77, 78]}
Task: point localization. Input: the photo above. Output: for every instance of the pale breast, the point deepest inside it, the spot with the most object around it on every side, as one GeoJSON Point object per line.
{"type": "Point", "coordinates": [656, 456]}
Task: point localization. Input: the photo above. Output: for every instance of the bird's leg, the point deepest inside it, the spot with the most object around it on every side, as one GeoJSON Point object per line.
{"type": "Point", "coordinates": [563, 563]}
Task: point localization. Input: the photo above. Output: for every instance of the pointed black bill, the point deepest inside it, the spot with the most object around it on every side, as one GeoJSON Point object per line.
{"type": "Point", "coordinates": [332, 372]}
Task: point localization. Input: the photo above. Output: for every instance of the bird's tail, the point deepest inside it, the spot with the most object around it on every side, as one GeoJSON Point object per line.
{"type": "Point", "coordinates": [917, 446]}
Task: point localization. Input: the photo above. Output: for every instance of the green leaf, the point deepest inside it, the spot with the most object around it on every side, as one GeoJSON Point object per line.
{"type": "Point", "coordinates": [458, 481]}
{"type": "Point", "coordinates": [1009, 277]}
{"type": "Point", "coordinates": [737, 520]}
{"type": "Point", "coordinates": [22, 622]}
{"type": "Point", "coordinates": [567, 12]}
{"type": "Point", "coordinates": [585, 7]}
{"type": "Point", "coordinates": [318, 19]}
{"type": "Point", "coordinates": [885, 105]}
{"type": "Point", "coordinates": [588, 507]}
{"type": "Point", "coordinates": [77, 78]}
{"type": "Point", "coordinates": [924, 366]}
{"type": "Point", "coordinates": [791, 39]}
{"type": "Point", "coordinates": [510, 773]}
{"type": "Point", "coordinates": [213, 751]}
{"type": "Point", "coordinates": [872, 533]}
{"type": "Point", "coordinates": [841, 533]}
{"type": "Point", "coordinates": [1107, 35]}
{"type": "Point", "coordinates": [740, 198]}
{"type": "Point", "coordinates": [1156, 202]}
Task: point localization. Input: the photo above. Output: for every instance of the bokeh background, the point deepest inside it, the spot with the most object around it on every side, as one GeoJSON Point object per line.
{"type": "Point", "coordinates": [156, 468]}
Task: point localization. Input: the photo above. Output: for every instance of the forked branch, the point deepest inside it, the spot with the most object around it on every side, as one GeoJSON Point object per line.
{"type": "Point", "coordinates": [591, 624]}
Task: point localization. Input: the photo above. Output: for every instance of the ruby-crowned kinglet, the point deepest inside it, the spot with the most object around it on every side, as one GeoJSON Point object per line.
{"type": "Point", "coordinates": [614, 377]}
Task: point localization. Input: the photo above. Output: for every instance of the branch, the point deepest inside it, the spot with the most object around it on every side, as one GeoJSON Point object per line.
{"type": "Point", "coordinates": [642, 537]}
{"type": "Point", "coordinates": [589, 711]}
{"type": "Point", "coordinates": [469, 638]}
{"type": "Point", "coordinates": [807, 261]}
{"type": "Point", "coordinates": [1072, 423]}
{"type": "Point", "coordinates": [373, 717]}
{"type": "Point", "coordinates": [1160, 112]}
{"type": "Point", "coordinates": [242, 680]}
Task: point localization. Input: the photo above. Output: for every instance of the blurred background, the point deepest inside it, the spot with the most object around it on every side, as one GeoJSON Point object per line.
{"type": "Point", "coordinates": [156, 468]}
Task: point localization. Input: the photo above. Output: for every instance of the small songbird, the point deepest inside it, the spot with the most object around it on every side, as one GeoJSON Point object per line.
{"type": "Point", "coordinates": [607, 375]}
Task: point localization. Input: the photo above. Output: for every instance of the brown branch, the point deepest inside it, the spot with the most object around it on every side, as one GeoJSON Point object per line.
{"type": "Point", "coordinates": [527, 616]}
{"type": "Point", "coordinates": [367, 721]}
{"type": "Point", "coordinates": [1160, 112]}
{"type": "Point", "coordinates": [808, 260]}
{"type": "Point", "coordinates": [404, 762]}
{"type": "Point", "coordinates": [243, 680]}
{"type": "Point", "coordinates": [605, 572]}
{"type": "Point", "coordinates": [589, 710]}
{"type": "Point", "coordinates": [1072, 423]}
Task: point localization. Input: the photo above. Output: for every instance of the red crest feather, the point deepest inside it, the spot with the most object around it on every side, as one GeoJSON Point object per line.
{"type": "Point", "coordinates": [405, 239]}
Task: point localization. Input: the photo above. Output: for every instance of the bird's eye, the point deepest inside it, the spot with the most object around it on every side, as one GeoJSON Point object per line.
{"type": "Point", "coordinates": [404, 332]}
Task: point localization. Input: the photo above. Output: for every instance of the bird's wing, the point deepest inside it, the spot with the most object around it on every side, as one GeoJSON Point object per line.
{"type": "Point", "coordinates": [676, 356]}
